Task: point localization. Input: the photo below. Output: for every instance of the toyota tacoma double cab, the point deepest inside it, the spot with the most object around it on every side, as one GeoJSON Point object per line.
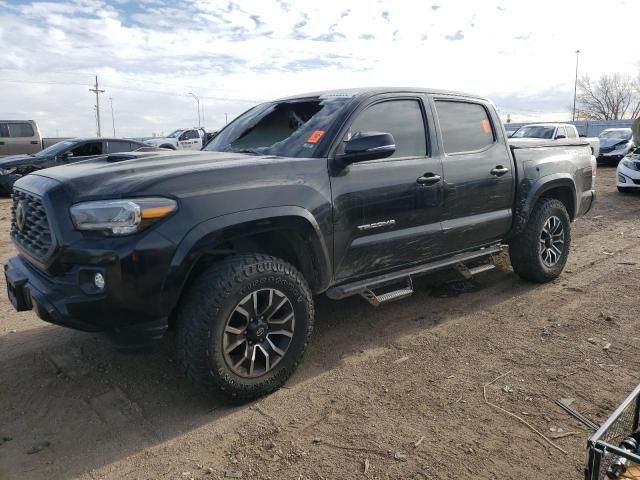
{"type": "Point", "coordinates": [352, 192]}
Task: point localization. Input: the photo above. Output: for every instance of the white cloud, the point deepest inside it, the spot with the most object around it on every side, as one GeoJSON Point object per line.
{"type": "Point", "coordinates": [150, 54]}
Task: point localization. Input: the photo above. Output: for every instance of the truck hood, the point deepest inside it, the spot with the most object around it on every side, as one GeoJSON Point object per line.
{"type": "Point", "coordinates": [24, 161]}
{"type": "Point", "coordinates": [161, 173]}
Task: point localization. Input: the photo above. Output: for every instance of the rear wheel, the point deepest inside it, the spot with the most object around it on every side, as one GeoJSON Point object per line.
{"type": "Point", "coordinates": [540, 252]}
{"type": "Point", "coordinates": [244, 325]}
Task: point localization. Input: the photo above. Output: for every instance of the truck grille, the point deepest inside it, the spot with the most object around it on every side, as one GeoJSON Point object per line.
{"type": "Point", "coordinates": [30, 226]}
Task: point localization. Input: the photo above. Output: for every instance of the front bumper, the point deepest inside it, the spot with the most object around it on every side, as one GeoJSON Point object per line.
{"type": "Point", "coordinates": [69, 301]}
{"type": "Point", "coordinates": [627, 178]}
{"type": "Point", "coordinates": [7, 181]}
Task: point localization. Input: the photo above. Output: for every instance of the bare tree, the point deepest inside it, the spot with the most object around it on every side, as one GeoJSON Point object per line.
{"type": "Point", "coordinates": [611, 97]}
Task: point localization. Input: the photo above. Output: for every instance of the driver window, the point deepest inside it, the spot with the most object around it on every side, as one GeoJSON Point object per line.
{"type": "Point", "coordinates": [401, 118]}
{"type": "Point", "coordinates": [88, 149]}
{"type": "Point", "coordinates": [189, 135]}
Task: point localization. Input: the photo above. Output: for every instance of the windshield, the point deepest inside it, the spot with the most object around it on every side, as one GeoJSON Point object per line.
{"type": "Point", "coordinates": [616, 135]}
{"type": "Point", "coordinates": [174, 134]}
{"type": "Point", "coordinates": [291, 128]}
{"type": "Point", "coordinates": [534, 131]}
{"type": "Point", "coordinates": [55, 149]}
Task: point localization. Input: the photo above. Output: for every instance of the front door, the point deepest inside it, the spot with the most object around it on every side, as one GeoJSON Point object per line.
{"type": "Point", "coordinates": [190, 140]}
{"type": "Point", "coordinates": [84, 151]}
{"type": "Point", "coordinates": [478, 175]}
{"type": "Point", "coordinates": [386, 211]}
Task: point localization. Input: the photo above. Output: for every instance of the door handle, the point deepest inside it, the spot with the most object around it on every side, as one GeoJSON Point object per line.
{"type": "Point", "coordinates": [34, 142]}
{"type": "Point", "coordinates": [499, 170]}
{"type": "Point", "coordinates": [428, 179]}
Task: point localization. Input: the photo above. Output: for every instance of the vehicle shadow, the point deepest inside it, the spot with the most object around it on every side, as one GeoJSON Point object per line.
{"type": "Point", "coordinates": [71, 403]}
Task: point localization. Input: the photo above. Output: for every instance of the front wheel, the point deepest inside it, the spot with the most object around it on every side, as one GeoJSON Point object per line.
{"type": "Point", "coordinates": [540, 252]}
{"type": "Point", "coordinates": [244, 325]}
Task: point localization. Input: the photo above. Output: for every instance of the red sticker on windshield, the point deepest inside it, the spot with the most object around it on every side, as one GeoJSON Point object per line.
{"type": "Point", "coordinates": [315, 136]}
{"type": "Point", "coordinates": [486, 126]}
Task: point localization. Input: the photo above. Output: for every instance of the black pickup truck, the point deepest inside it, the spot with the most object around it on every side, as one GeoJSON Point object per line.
{"type": "Point", "coordinates": [345, 193]}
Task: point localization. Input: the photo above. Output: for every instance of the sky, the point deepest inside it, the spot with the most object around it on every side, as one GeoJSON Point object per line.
{"type": "Point", "coordinates": [149, 55]}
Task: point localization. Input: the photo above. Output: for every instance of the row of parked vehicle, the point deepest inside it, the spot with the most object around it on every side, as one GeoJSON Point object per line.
{"type": "Point", "coordinates": [351, 192]}
{"type": "Point", "coordinates": [22, 140]}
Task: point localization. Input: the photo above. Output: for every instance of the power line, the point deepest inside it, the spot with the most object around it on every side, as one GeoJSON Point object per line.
{"type": "Point", "coordinates": [133, 89]}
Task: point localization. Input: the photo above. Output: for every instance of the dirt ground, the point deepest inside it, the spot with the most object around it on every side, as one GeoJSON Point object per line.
{"type": "Point", "coordinates": [392, 392]}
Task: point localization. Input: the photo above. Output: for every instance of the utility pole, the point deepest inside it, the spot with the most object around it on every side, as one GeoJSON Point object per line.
{"type": "Point", "coordinates": [575, 87]}
{"type": "Point", "coordinates": [226, 118]}
{"type": "Point", "coordinates": [97, 91]}
{"type": "Point", "coordinates": [113, 118]}
{"type": "Point", "coordinates": [198, 102]}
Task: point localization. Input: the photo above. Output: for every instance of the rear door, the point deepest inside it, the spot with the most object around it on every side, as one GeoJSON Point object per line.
{"type": "Point", "coordinates": [385, 216]}
{"type": "Point", "coordinates": [22, 138]}
{"type": "Point", "coordinates": [478, 174]}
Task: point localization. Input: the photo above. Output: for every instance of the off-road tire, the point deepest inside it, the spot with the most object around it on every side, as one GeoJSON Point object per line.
{"type": "Point", "coordinates": [524, 249]}
{"type": "Point", "coordinates": [206, 306]}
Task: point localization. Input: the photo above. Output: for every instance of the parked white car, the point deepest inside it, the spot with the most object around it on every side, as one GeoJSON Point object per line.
{"type": "Point", "coordinates": [181, 139]}
{"type": "Point", "coordinates": [628, 173]}
{"type": "Point", "coordinates": [615, 143]}
{"type": "Point", "coordinates": [553, 131]}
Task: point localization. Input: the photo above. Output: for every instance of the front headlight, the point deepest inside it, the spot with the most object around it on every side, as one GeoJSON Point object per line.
{"type": "Point", "coordinates": [631, 165]}
{"type": "Point", "coordinates": [120, 217]}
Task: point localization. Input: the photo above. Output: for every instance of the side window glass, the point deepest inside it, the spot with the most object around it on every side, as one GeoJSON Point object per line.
{"type": "Point", "coordinates": [465, 126]}
{"type": "Point", "coordinates": [402, 119]}
{"type": "Point", "coordinates": [116, 147]}
{"type": "Point", "coordinates": [561, 132]}
{"type": "Point", "coordinates": [191, 134]}
{"type": "Point", "coordinates": [571, 132]}
{"type": "Point", "coordinates": [87, 149]}
{"type": "Point", "coordinates": [17, 130]}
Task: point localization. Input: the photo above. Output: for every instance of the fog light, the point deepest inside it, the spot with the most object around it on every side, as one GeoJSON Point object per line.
{"type": "Point", "coordinates": [98, 281]}
{"type": "Point", "coordinates": [621, 179]}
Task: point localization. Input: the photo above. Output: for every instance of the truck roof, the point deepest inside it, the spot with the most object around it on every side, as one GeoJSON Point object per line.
{"type": "Point", "coordinates": [368, 91]}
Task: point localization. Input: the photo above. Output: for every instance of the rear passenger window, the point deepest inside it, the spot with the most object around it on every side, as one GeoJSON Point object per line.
{"type": "Point", "coordinates": [400, 118]}
{"type": "Point", "coordinates": [571, 132]}
{"type": "Point", "coordinates": [116, 147]}
{"type": "Point", "coordinates": [20, 130]}
{"type": "Point", "coordinates": [465, 126]}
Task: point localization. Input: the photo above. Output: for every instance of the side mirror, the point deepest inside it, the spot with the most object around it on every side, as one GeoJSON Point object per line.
{"type": "Point", "coordinates": [560, 137]}
{"type": "Point", "coordinates": [583, 136]}
{"type": "Point", "coordinates": [368, 146]}
{"type": "Point", "coordinates": [67, 155]}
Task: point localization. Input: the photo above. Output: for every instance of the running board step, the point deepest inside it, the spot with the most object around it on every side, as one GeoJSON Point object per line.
{"type": "Point", "coordinates": [467, 272]}
{"type": "Point", "coordinates": [377, 300]}
{"type": "Point", "coordinates": [362, 287]}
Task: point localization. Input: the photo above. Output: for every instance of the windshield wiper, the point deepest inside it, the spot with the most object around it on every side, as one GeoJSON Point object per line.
{"type": "Point", "coordinates": [248, 150]}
